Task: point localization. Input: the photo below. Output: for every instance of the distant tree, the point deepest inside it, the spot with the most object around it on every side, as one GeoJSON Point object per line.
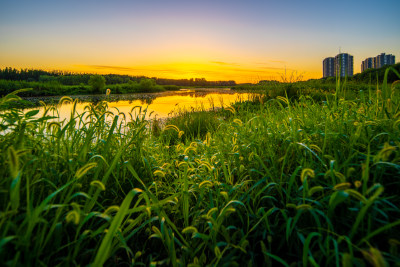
{"type": "Point", "coordinates": [97, 82]}
{"type": "Point", "coordinates": [147, 85]}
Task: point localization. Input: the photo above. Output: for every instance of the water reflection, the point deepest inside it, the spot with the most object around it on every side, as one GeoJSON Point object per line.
{"type": "Point", "coordinates": [160, 105]}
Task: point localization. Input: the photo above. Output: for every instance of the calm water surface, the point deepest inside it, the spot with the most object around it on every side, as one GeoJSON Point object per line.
{"type": "Point", "coordinates": [161, 105]}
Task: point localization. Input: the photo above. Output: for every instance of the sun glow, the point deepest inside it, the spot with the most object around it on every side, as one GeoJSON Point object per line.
{"type": "Point", "coordinates": [212, 71]}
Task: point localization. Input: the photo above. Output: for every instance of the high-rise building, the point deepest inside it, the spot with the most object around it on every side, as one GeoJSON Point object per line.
{"type": "Point", "coordinates": [367, 64]}
{"type": "Point", "coordinates": [328, 66]}
{"type": "Point", "coordinates": [343, 65]}
{"type": "Point", "coordinates": [378, 62]}
{"type": "Point", "coordinates": [382, 60]}
{"type": "Point", "coordinates": [392, 60]}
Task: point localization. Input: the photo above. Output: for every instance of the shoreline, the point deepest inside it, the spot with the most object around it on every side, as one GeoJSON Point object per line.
{"type": "Point", "coordinates": [132, 96]}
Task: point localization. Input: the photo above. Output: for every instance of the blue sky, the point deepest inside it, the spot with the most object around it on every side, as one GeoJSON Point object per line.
{"type": "Point", "coordinates": [240, 40]}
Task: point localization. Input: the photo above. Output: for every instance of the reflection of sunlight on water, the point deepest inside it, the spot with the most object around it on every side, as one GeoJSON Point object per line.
{"type": "Point", "coordinates": [160, 107]}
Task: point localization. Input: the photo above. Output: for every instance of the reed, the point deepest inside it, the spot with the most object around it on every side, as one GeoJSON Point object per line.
{"type": "Point", "coordinates": [294, 181]}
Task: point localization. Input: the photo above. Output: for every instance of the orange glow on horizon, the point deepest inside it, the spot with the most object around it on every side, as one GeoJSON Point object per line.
{"type": "Point", "coordinates": [211, 71]}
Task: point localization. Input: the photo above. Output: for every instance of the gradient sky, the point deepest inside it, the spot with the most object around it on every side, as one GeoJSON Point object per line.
{"type": "Point", "coordinates": [244, 40]}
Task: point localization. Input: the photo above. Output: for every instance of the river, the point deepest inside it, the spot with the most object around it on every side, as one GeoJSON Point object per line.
{"type": "Point", "coordinates": [158, 105]}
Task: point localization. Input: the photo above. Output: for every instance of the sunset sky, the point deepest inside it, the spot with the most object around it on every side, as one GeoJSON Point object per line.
{"type": "Point", "coordinates": [245, 41]}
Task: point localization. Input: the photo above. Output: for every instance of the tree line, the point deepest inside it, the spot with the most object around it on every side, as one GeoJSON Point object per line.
{"type": "Point", "coordinates": [71, 78]}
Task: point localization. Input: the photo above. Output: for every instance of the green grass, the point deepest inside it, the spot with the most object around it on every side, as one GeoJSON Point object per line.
{"type": "Point", "coordinates": [295, 181]}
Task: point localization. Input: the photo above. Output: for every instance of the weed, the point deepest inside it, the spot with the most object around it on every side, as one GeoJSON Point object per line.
{"type": "Point", "coordinates": [280, 179]}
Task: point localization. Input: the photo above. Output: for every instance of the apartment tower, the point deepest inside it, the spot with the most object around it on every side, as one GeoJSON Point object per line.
{"type": "Point", "coordinates": [382, 60]}
{"type": "Point", "coordinates": [367, 64]}
{"type": "Point", "coordinates": [340, 65]}
{"type": "Point", "coordinates": [328, 67]}
{"type": "Point", "coordinates": [377, 62]}
{"type": "Point", "coordinates": [344, 65]}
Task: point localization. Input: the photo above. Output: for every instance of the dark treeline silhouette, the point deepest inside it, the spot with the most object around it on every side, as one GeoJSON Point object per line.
{"type": "Point", "coordinates": [24, 74]}
{"type": "Point", "coordinates": [63, 77]}
{"type": "Point", "coordinates": [70, 78]}
{"type": "Point", "coordinates": [374, 75]}
{"type": "Point", "coordinates": [193, 82]}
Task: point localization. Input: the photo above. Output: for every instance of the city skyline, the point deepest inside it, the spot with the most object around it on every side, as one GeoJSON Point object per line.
{"type": "Point", "coordinates": [217, 40]}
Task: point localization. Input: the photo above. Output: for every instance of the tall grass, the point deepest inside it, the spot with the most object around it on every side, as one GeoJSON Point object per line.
{"type": "Point", "coordinates": [289, 181]}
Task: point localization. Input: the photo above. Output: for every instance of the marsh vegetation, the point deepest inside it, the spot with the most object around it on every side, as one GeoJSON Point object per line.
{"type": "Point", "coordinates": [291, 180]}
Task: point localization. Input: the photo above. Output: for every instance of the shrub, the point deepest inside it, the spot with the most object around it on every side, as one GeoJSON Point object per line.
{"type": "Point", "coordinates": [97, 82]}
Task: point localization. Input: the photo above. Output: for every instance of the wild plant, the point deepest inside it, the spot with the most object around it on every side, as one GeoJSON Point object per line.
{"type": "Point", "coordinates": [294, 181]}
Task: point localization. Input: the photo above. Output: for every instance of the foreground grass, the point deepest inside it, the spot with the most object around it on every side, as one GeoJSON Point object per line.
{"type": "Point", "coordinates": [283, 181]}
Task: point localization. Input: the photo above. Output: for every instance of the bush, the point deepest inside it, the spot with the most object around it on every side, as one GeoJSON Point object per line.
{"type": "Point", "coordinates": [149, 85]}
{"type": "Point", "coordinates": [97, 82]}
{"type": "Point", "coordinates": [171, 87]}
